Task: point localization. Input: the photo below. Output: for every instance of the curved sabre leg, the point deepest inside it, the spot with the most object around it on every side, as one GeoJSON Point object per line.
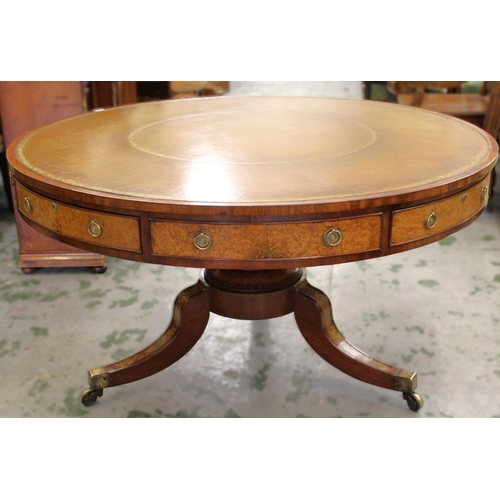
{"type": "Point", "coordinates": [313, 314]}
{"type": "Point", "coordinates": [190, 317]}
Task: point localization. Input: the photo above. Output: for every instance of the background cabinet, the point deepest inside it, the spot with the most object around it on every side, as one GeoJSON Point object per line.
{"type": "Point", "coordinates": [25, 106]}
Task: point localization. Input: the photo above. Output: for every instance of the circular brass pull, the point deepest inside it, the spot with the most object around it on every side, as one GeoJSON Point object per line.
{"type": "Point", "coordinates": [28, 205]}
{"type": "Point", "coordinates": [332, 237]}
{"type": "Point", "coordinates": [431, 220]}
{"type": "Point", "coordinates": [484, 194]}
{"type": "Point", "coordinates": [203, 241]}
{"type": "Point", "coordinates": [94, 229]}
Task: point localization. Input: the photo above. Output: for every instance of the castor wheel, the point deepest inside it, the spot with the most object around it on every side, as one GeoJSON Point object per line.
{"type": "Point", "coordinates": [89, 396]}
{"type": "Point", "coordinates": [415, 402]}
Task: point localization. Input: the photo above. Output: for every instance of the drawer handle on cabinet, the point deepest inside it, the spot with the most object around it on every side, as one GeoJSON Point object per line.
{"type": "Point", "coordinates": [28, 205]}
{"type": "Point", "coordinates": [431, 220]}
{"type": "Point", "coordinates": [484, 194]}
{"type": "Point", "coordinates": [94, 229]}
{"type": "Point", "coordinates": [202, 241]}
{"type": "Point", "coordinates": [332, 237]}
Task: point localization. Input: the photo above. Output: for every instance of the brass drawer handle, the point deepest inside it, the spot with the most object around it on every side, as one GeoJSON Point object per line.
{"type": "Point", "coordinates": [332, 237]}
{"type": "Point", "coordinates": [431, 220]}
{"type": "Point", "coordinates": [203, 241]}
{"type": "Point", "coordinates": [484, 194]}
{"type": "Point", "coordinates": [28, 205]}
{"type": "Point", "coordinates": [95, 229]}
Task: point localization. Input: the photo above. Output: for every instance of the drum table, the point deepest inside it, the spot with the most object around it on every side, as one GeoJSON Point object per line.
{"type": "Point", "coordinates": [252, 190]}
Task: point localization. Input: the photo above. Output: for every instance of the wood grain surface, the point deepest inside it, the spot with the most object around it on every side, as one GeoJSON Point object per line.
{"type": "Point", "coordinates": [409, 224]}
{"type": "Point", "coordinates": [116, 231]}
{"type": "Point", "coordinates": [264, 241]}
{"type": "Point", "coordinates": [23, 106]}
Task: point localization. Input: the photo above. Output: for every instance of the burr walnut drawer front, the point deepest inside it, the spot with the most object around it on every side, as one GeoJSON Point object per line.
{"type": "Point", "coordinates": [267, 240]}
{"type": "Point", "coordinates": [107, 230]}
{"type": "Point", "coordinates": [426, 220]}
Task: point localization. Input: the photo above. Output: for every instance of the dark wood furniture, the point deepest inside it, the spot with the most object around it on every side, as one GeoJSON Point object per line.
{"type": "Point", "coordinates": [253, 190]}
{"type": "Point", "coordinates": [25, 106]}
{"type": "Point", "coordinates": [481, 109]}
{"type": "Point", "coordinates": [491, 121]}
{"type": "Point", "coordinates": [182, 90]}
{"type": "Point", "coordinates": [443, 97]}
{"type": "Point", "coordinates": [109, 94]}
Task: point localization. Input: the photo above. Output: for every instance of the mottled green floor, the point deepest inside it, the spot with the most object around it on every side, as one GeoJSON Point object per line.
{"type": "Point", "coordinates": [434, 310]}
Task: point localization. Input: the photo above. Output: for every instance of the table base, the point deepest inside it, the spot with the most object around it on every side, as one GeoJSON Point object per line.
{"type": "Point", "coordinates": [253, 295]}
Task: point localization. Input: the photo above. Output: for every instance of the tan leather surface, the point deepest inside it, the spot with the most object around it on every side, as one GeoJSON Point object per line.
{"type": "Point", "coordinates": [257, 150]}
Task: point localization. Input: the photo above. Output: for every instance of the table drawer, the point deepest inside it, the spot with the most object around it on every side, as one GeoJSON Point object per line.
{"type": "Point", "coordinates": [98, 228]}
{"type": "Point", "coordinates": [426, 220]}
{"type": "Point", "coordinates": [266, 241]}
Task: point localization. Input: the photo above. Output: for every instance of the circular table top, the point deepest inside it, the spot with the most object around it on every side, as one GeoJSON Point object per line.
{"type": "Point", "coordinates": [256, 151]}
{"type": "Point", "coordinates": [252, 182]}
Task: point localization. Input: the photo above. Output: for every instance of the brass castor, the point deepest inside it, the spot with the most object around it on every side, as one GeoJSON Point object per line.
{"type": "Point", "coordinates": [415, 402]}
{"type": "Point", "coordinates": [89, 396]}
